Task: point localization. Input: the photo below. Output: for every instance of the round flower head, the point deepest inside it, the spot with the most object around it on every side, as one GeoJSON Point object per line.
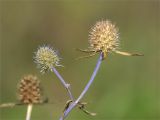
{"type": "Point", "coordinates": [104, 37]}
{"type": "Point", "coordinates": [46, 58]}
{"type": "Point", "coordinates": [29, 91]}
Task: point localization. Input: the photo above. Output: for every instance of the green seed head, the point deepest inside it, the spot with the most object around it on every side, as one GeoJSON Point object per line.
{"type": "Point", "coordinates": [46, 58]}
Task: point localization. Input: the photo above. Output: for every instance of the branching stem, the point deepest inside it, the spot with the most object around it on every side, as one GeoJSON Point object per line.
{"type": "Point", "coordinates": [74, 103]}
{"type": "Point", "coordinates": [67, 86]}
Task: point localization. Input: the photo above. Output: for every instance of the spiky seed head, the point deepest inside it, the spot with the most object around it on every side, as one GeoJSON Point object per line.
{"type": "Point", "coordinates": [46, 58]}
{"type": "Point", "coordinates": [29, 90]}
{"type": "Point", "coordinates": [104, 37]}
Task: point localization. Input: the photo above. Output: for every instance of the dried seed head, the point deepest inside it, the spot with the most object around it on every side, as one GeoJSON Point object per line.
{"type": "Point", "coordinates": [46, 58]}
{"type": "Point", "coordinates": [29, 91]}
{"type": "Point", "coordinates": [104, 37]}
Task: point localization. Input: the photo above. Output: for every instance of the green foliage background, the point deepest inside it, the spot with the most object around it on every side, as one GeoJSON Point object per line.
{"type": "Point", "coordinates": [126, 88]}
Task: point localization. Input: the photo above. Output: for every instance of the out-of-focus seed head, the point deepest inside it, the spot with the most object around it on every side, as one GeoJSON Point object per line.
{"type": "Point", "coordinates": [29, 90]}
{"type": "Point", "coordinates": [104, 37]}
{"type": "Point", "coordinates": [46, 58]}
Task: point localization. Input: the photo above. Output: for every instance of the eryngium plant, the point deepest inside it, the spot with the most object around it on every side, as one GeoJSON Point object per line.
{"type": "Point", "coordinates": [47, 59]}
{"type": "Point", "coordinates": [29, 92]}
{"type": "Point", "coordinates": [103, 39]}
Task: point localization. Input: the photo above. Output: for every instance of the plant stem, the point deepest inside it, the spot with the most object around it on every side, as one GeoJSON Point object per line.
{"type": "Point", "coordinates": [85, 89]}
{"type": "Point", "coordinates": [29, 111]}
{"type": "Point", "coordinates": [7, 105]}
{"type": "Point", "coordinates": [67, 86]}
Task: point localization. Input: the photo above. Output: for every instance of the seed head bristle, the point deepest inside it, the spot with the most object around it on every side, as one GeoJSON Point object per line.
{"type": "Point", "coordinates": [104, 37]}
{"type": "Point", "coordinates": [29, 90]}
{"type": "Point", "coordinates": [46, 58]}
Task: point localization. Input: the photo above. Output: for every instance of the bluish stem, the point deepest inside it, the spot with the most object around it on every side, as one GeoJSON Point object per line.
{"type": "Point", "coordinates": [67, 86]}
{"type": "Point", "coordinates": [85, 89]}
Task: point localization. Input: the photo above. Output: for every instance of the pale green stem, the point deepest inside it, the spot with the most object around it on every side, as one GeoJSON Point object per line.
{"type": "Point", "coordinates": [29, 111]}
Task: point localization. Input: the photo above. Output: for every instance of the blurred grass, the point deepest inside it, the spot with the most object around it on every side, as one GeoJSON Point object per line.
{"type": "Point", "coordinates": [125, 87]}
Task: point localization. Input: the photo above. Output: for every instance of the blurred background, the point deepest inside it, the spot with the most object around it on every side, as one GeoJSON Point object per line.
{"type": "Point", "coordinates": [125, 88]}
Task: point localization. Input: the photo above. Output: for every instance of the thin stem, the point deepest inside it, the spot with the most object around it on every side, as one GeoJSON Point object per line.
{"type": "Point", "coordinates": [67, 86]}
{"type": "Point", "coordinates": [7, 105]}
{"type": "Point", "coordinates": [29, 111]}
{"type": "Point", "coordinates": [85, 89]}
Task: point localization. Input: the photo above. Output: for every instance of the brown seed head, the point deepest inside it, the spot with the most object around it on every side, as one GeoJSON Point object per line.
{"type": "Point", "coordinates": [104, 37]}
{"type": "Point", "coordinates": [29, 91]}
